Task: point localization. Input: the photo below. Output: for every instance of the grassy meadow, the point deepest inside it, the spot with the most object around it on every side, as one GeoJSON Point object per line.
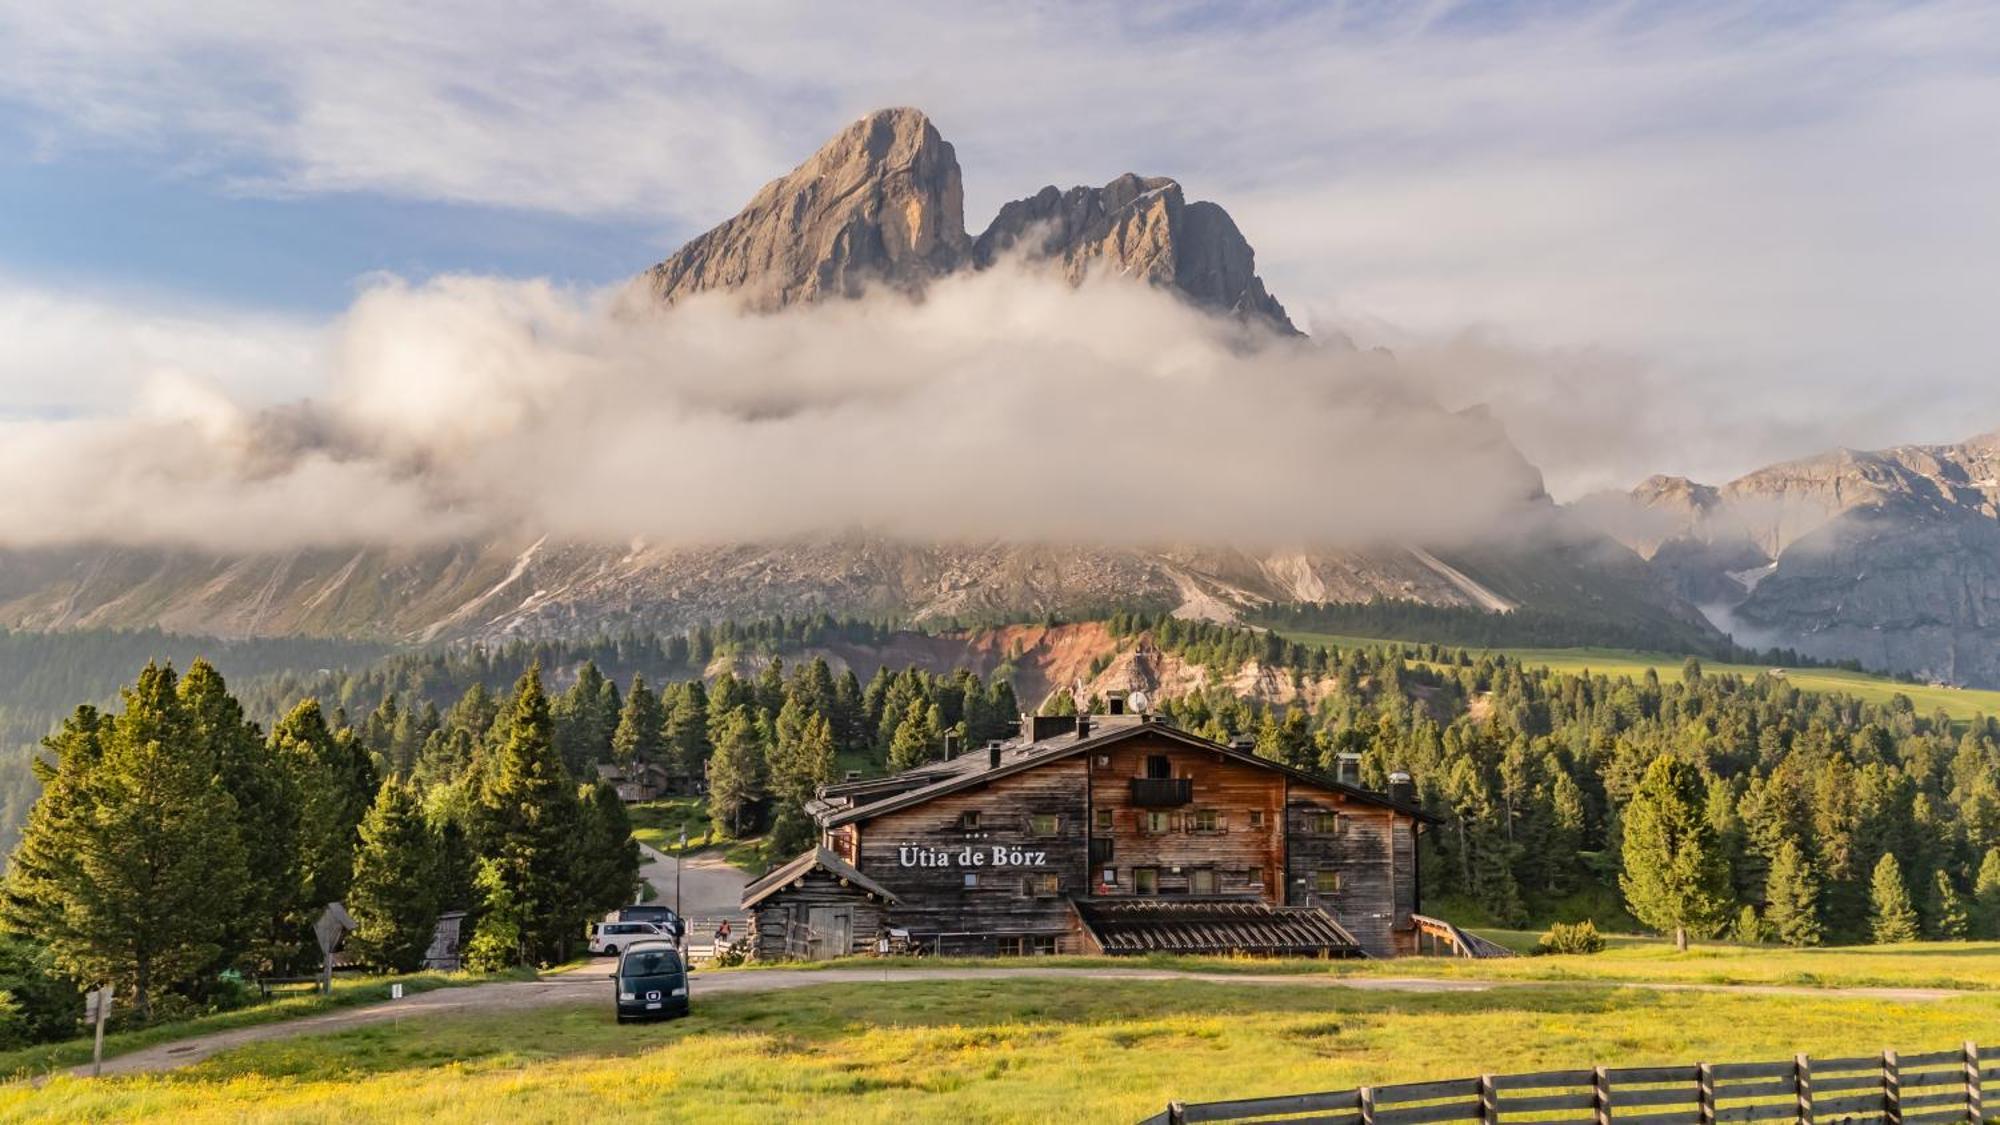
{"type": "Point", "coordinates": [1023, 1050]}
{"type": "Point", "coordinates": [1959, 703]}
{"type": "Point", "coordinates": [659, 824]}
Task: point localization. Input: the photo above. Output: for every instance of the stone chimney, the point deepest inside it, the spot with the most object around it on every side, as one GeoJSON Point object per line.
{"type": "Point", "coordinates": [1402, 789]}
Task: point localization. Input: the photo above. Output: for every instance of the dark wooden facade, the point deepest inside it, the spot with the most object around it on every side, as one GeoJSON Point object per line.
{"type": "Point", "coordinates": [992, 853]}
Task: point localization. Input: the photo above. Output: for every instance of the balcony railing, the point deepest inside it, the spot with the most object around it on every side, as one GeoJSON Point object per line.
{"type": "Point", "coordinates": [1161, 792]}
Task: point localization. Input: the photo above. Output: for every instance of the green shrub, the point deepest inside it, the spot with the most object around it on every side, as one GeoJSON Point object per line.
{"type": "Point", "coordinates": [1564, 937]}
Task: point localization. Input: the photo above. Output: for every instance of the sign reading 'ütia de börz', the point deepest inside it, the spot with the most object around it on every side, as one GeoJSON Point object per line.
{"type": "Point", "coordinates": [999, 855]}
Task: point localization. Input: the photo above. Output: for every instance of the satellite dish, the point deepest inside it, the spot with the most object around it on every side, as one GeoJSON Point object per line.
{"type": "Point", "coordinates": [1137, 702]}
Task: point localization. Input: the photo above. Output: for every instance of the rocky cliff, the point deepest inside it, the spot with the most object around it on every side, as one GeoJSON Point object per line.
{"type": "Point", "coordinates": [1891, 557]}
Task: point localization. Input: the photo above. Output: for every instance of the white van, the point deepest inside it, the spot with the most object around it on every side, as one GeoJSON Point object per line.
{"type": "Point", "coordinates": [610, 937]}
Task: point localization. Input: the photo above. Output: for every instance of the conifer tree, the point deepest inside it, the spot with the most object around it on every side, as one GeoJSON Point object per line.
{"type": "Point", "coordinates": [526, 832]}
{"type": "Point", "coordinates": [687, 730]}
{"type": "Point", "coordinates": [267, 813]}
{"type": "Point", "coordinates": [1792, 909]}
{"type": "Point", "coordinates": [641, 726]}
{"type": "Point", "coordinates": [1674, 876]}
{"type": "Point", "coordinates": [394, 898]}
{"type": "Point", "coordinates": [336, 785]}
{"type": "Point", "coordinates": [131, 867]}
{"type": "Point", "coordinates": [1891, 915]}
{"type": "Point", "coordinates": [916, 738]}
{"type": "Point", "coordinates": [735, 773]}
{"type": "Point", "coordinates": [1986, 897]}
{"type": "Point", "coordinates": [1948, 917]}
{"type": "Point", "coordinates": [608, 868]}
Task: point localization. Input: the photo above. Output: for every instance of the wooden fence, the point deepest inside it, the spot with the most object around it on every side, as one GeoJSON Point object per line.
{"type": "Point", "coordinates": [1931, 1088]}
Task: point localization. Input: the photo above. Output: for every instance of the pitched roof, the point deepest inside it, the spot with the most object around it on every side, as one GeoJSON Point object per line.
{"type": "Point", "coordinates": [973, 768]}
{"type": "Point", "coordinates": [1182, 925]}
{"type": "Point", "coordinates": [778, 879]}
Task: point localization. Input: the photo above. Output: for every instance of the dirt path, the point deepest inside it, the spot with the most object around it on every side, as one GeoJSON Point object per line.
{"type": "Point", "coordinates": [588, 985]}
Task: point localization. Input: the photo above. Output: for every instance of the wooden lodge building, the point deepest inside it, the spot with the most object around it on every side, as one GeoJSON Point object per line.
{"type": "Point", "coordinates": [1102, 834]}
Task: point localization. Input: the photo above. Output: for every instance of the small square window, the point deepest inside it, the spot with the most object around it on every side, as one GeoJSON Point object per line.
{"type": "Point", "coordinates": [1206, 820]}
{"type": "Point", "coordinates": [972, 878]}
{"type": "Point", "coordinates": [1158, 822]}
{"type": "Point", "coordinates": [1042, 885]}
{"type": "Point", "coordinates": [969, 819]}
{"type": "Point", "coordinates": [1256, 818]}
{"type": "Point", "coordinates": [1201, 881]}
{"type": "Point", "coordinates": [1109, 877]}
{"type": "Point", "coordinates": [1320, 822]}
{"type": "Point", "coordinates": [1044, 825]}
{"type": "Point", "coordinates": [1326, 882]}
{"type": "Point", "coordinates": [1146, 880]}
{"type": "Point", "coordinates": [1104, 820]}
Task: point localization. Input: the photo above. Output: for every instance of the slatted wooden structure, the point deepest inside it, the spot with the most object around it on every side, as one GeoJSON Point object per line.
{"type": "Point", "coordinates": [1121, 926]}
{"type": "Point", "coordinates": [1926, 1088]}
{"type": "Point", "coordinates": [1443, 937]}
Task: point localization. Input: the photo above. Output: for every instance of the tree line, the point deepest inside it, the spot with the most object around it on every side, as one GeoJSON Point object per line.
{"type": "Point", "coordinates": [177, 847]}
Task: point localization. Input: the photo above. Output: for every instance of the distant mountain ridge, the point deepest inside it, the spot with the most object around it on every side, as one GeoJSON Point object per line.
{"type": "Point", "coordinates": [1889, 556]}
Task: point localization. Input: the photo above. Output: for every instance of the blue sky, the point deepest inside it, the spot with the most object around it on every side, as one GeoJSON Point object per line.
{"type": "Point", "coordinates": [1714, 234]}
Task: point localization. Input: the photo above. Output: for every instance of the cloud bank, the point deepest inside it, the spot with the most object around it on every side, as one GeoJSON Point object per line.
{"type": "Point", "coordinates": [1005, 404]}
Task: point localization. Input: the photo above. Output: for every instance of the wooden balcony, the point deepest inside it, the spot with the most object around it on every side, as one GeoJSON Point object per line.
{"type": "Point", "coordinates": [1162, 792]}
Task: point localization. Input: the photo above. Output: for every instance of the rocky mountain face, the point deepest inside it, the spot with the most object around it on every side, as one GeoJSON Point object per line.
{"type": "Point", "coordinates": [879, 205]}
{"type": "Point", "coordinates": [1141, 227]}
{"type": "Point", "coordinates": [882, 203]}
{"type": "Point", "coordinates": [1891, 557]}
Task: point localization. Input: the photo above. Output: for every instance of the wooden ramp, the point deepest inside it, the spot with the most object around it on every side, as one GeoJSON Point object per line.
{"type": "Point", "coordinates": [1445, 938]}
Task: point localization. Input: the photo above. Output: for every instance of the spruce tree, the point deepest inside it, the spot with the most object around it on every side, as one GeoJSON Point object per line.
{"type": "Point", "coordinates": [336, 785]}
{"type": "Point", "coordinates": [608, 857]}
{"type": "Point", "coordinates": [688, 746]}
{"type": "Point", "coordinates": [394, 897]}
{"type": "Point", "coordinates": [1986, 897]}
{"type": "Point", "coordinates": [1792, 909]}
{"type": "Point", "coordinates": [267, 814]}
{"type": "Point", "coordinates": [640, 736]}
{"type": "Point", "coordinates": [1948, 917]}
{"type": "Point", "coordinates": [131, 867]}
{"type": "Point", "coordinates": [526, 824]}
{"type": "Point", "coordinates": [1891, 916]}
{"type": "Point", "coordinates": [1674, 876]}
{"type": "Point", "coordinates": [916, 738]}
{"type": "Point", "coordinates": [735, 773]}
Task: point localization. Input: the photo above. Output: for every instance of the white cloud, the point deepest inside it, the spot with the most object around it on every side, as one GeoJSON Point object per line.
{"type": "Point", "coordinates": [1006, 404]}
{"type": "Point", "coordinates": [1782, 217]}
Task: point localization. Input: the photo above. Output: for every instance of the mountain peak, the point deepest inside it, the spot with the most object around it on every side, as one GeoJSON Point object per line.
{"type": "Point", "coordinates": [1141, 227]}
{"type": "Point", "coordinates": [879, 203]}
{"type": "Point", "coordinates": [882, 203]}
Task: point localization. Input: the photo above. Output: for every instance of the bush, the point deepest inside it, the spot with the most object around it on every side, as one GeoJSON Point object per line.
{"type": "Point", "coordinates": [1564, 937]}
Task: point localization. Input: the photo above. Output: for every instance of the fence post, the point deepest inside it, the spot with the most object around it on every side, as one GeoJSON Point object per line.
{"type": "Point", "coordinates": [1489, 1101]}
{"type": "Point", "coordinates": [1367, 1105]}
{"type": "Point", "coordinates": [1600, 1095]}
{"type": "Point", "coordinates": [1705, 1093]}
{"type": "Point", "coordinates": [1892, 1090]}
{"type": "Point", "coordinates": [1176, 1113]}
{"type": "Point", "coordinates": [1975, 1110]}
{"type": "Point", "coordinates": [1802, 1082]}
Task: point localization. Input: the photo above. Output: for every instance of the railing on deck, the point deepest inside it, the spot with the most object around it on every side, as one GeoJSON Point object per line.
{"type": "Point", "coordinates": [1931, 1088]}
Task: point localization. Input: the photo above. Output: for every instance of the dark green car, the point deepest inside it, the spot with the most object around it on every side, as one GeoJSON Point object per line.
{"type": "Point", "coordinates": [652, 982]}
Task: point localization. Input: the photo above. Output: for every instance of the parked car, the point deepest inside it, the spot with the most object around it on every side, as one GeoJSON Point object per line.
{"type": "Point", "coordinates": [610, 937]}
{"type": "Point", "coordinates": [650, 982]}
{"type": "Point", "coordinates": [662, 915]}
